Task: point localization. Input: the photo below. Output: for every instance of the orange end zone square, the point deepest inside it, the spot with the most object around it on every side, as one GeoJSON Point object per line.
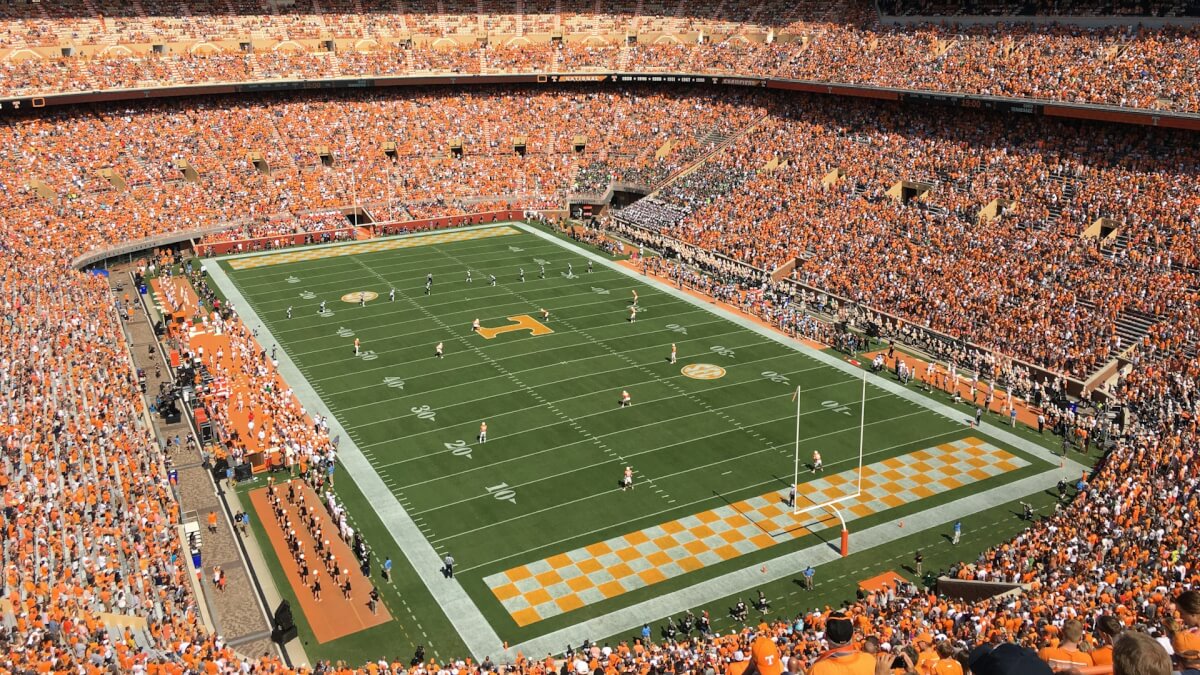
{"type": "Point", "coordinates": [635, 538]}
{"type": "Point", "coordinates": [620, 571]}
{"type": "Point", "coordinates": [727, 552]}
{"type": "Point", "coordinates": [762, 540]}
{"type": "Point", "coordinates": [732, 536]}
{"type": "Point", "coordinates": [628, 554]}
{"type": "Point", "coordinates": [689, 564]}
{"type": "Point", "coordinates": [651, 576]}
{"type": "Point", "coordinates": [559, 561]}
{"type": "Point", "coordinates": [703, 532]}
{"type": "Point", "coordinates": [665, 542]}
{"type": "Point", "coordinates": [548, 578]}
{"type": "Point", "coordinates": [598, 549]}
{"type": "Point", "coordinates": [524, 617]}
{"type": "Point", "coordinates": [673, 527]}
{"type": "Point", "coordinates": [770, 511]}
{"type": "Point", "coordinates": [951, 483]}
{"type": "Point", "coordinates": [978, 474]}
{"type": "Point", "coordinates": [862, 510]}
{"type": "Point", "coordinates": [589, 565]}
{"type": "Point", "coordinates": [922, 491]}
{"type": "Point", "coordinates": [506, 592]}
{"type": "Point", "coordinates": [658, 559]}
{"type": "Point", "coordinates": [708, 517]}
{"type": "Point", "coordinates": [569, 602]}
{"type": "Point", "coordinates": [737, 520]}
{"type": "Point", "coordinates": [696, 547]}
{"type": "Point", "coordinates": [538, 596]}
{"type": "Point", "coordinates": [611, 589]}
{"type": "Point", "coordinates": [578, 584]}
{"type": "Point", "coordinates": [518, 573]}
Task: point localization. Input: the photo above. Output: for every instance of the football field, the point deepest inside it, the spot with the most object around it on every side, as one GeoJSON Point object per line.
{"type": "Point", "coordinates": [543, 534]}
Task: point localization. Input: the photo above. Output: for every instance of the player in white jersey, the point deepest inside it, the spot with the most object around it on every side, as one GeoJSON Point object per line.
{"type": "Point", "coordinates": [817, 464]}
{"type": "Point", "coordinates": [627, 479]}
{"type": "Point", "coordinates": [672, 352]}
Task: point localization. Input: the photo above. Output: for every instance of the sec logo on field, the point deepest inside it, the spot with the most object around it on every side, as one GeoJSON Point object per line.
{"type": "Point", "coordinates": [703, 371]}
{"type": "Point", "coordinates": [360, 296]}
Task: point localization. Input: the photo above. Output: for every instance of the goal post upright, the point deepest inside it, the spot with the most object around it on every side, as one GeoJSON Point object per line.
{"type": "Point", "coordinates": [831, 505]}
{"type": "Point", "coordinates": [796, 463]}
{"type": "Point", "coordinates": [862, 425]}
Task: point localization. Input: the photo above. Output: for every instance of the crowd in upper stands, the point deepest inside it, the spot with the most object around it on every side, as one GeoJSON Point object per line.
{"type": "Point", "coordinates": [829, 189]}
{"type": "Point", "coordinates": [90, 520]}
{"type": "Point", "coordinates": [291, 163]}
{"type": "Point", "coordinates": [1127, 65]}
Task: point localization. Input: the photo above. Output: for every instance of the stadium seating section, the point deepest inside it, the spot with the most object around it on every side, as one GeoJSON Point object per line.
{"type": "Point", "coordinates": [85, 46]}
{"type": "Point", "coordinates": [977, 225]}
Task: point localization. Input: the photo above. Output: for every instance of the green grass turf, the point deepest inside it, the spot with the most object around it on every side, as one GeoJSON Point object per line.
{"type": "Point", "coordinates": [557, 437]}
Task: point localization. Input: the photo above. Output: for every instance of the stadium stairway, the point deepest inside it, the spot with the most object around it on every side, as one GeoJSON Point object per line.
{"type": "Point", "coordinates": [723, 141]}
{"type": "Point", "coordinates": [1068, 195]}
{"type": "Point", "coordinates": [1132, 325]}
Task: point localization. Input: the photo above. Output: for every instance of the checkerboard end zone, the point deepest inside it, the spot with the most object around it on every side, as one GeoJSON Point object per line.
{"type": "Point", "coordinates": [539, 590]}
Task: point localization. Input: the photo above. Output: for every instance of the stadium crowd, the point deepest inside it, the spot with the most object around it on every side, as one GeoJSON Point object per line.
{"type": "Point", "coordinates": [889, 210]}
{"type": "Point", "coordinates": [1126, 65]}
{"type": "Point", "coordinates": [89, 513]}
